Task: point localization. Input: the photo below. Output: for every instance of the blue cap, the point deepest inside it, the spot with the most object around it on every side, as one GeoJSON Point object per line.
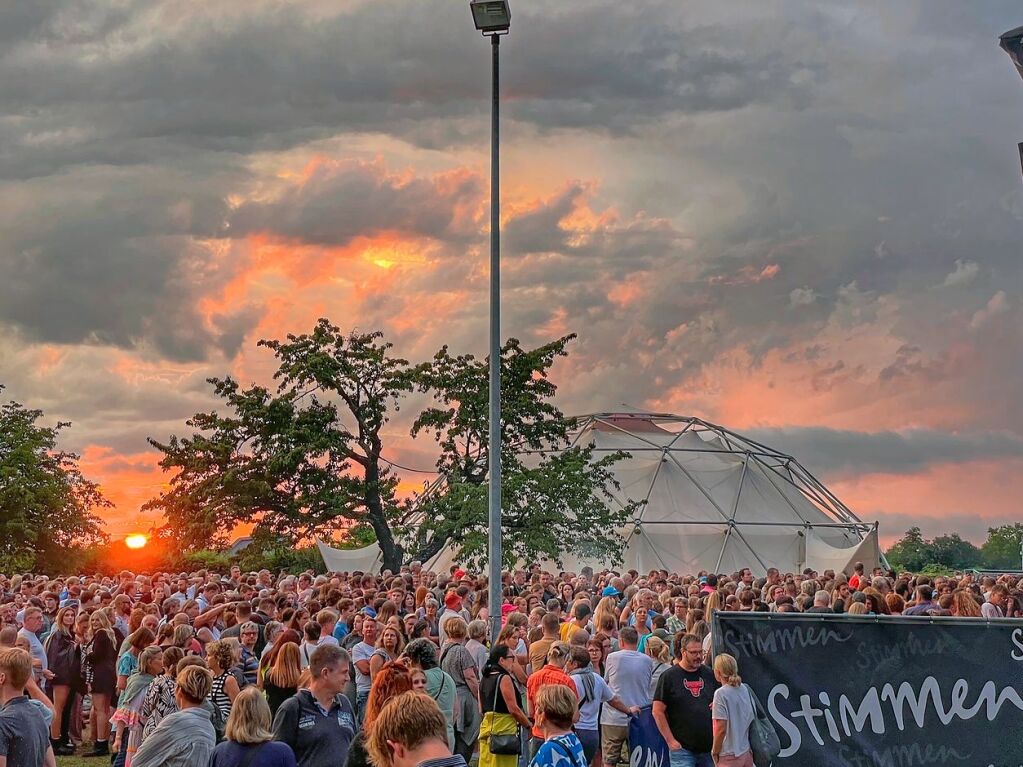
{"type": "Point", "coordinates": [703, 579]}
{"type": "Point", "coordinates": [609, 591]}
{"type": "Point", "coordinates": [369, 611]}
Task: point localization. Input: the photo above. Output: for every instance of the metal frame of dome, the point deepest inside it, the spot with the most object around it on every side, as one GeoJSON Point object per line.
{"type": "Point", "coordinates": [779, 467]}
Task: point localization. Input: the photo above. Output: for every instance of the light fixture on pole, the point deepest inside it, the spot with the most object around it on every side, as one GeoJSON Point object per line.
{"type": "Point", "coordinates": [1012, 43]}
{"type": "Point", "coordinates": [493, 19]}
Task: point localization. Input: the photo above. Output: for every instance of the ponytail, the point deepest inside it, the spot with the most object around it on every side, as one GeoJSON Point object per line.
{"type": "Point", "coordinates": [727, 670]}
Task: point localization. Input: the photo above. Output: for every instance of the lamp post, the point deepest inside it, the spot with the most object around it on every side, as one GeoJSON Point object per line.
{"type": "Point", "coordinates": [493, 19]}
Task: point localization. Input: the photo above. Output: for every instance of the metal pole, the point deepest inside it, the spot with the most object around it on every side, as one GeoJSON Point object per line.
{"type": "Point", "coordinates": [496, 591]}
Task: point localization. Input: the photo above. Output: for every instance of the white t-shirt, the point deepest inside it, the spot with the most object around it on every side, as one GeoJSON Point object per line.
{"type": "Point", "coordinates": [589, 706]}
{"type": "Point", "coordinates": [734, 705]}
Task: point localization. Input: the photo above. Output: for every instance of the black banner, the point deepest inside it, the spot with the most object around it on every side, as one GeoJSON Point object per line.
{"type": "Point", "coordinates": [866, 691]}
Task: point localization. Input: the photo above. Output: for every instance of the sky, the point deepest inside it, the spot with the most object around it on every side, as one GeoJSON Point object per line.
{"type": "Point", "coordinates": [800, 220]}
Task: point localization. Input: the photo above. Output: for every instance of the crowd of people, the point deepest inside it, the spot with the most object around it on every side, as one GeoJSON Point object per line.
{"type": "Point", "coordinates": [397, 670]}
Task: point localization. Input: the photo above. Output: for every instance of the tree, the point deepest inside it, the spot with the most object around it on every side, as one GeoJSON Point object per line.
{"type": "Point", "coordinates": [47, 506]}
{"type": "Point", "coordinates": [555, 499]}
{"type": "Point", "coordinates": [911, 552]}
{"type": "Point", "coordinates": [1001, 550]}
{"type": "Point", "coordinates": [915, 554]}
{"type": "Point", "coordinates": [953, 552]}
{"type": "Point", "coordinates": [302, 461]}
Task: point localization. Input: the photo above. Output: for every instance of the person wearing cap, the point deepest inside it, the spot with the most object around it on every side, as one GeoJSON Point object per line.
{"type": "Point", "coordinates": [452, 607]}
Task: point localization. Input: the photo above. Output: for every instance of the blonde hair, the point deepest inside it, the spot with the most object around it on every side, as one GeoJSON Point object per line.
{"type": "Point", "coordinates": [559, 654]}
{"type": "Point", "coordinates": [17, 665]}
{"type": "Point", "coordinates": [727, 670]}
{"type": "Point", "coordinates": [410, 719]}
{"type": "Point", "coordinates": [222, 653]}
{"type": "Point", "coordinates": [249, 721]}
{"type": "Point", "coordinates": [456, 627]}
{"type": "Point", "coordinates": [858, 608]}
{"type": "Point", "coordinates": [104, 623]}
{"type": "Point", "coordinates": [657, 649]}
{"type": "Point", "coordinates": [558, 705]}
{"type": "Point", "coordinates": [287, 667]}
{"type": "Point", "coordinates": [195, 682]}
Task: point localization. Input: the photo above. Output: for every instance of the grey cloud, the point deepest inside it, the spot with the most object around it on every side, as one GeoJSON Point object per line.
{"type": "Point", "coordinates": [223, 80]}
{"type": "Point", "coordinates": [972, 527]}
{"type": "Point", "coordinates": [833, 452]}
{"type": "Point", "coordinates": [108, 256]}
{"type": "Point", "coordinates": [338, 203]}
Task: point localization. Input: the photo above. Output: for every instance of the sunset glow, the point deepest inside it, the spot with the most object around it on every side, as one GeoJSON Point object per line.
{"type": "Point", "coordinates": [783, 222]}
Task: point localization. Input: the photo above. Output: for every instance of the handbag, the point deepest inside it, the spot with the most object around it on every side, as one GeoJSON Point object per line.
{"type": "Point", "coordinates": [507, 744]}
{"type": "Point", "coordinates": [763, 740]}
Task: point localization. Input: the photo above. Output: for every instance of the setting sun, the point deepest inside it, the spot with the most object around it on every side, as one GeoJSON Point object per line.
{"type": "Point", "coordinates": [135, 541]}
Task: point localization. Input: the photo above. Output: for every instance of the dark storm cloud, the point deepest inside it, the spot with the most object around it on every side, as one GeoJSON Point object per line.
{"type": "Point", "coordinates": [832, 452]}
{"type": "Point", "coordinates": [263, 77]}
{"type": "Point", "coordinates": [107, 256]}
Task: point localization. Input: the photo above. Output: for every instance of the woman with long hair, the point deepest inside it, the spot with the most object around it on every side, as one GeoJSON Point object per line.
{"type": "Point", "coordinates": [248, 740]}
{"type": "Point", "coordinates": [566, 595]}
{"type": "Point", "coordinates": [388, 647]}
{"type": "Point", "coordinates": [159, 700]}
{"type": "Point", "coordinates": [408, 604]}
{"type": "Point", "coordinates": [392, 680]}
{"type": "Point", "coordinates": [732, 713]}
{"type": "Point", "coordinates": [964, 605]}
{"type": "Point", "coordinates": [63, 658]}
{"type": "Point", "coordinates": [101, 656]}
{"type": "Point", "coordinates": [266, 662]}
{"type": "Point", "coordinates": [281, 680]}
{"type": "Point", "coordinates": [598, 647]}
{"type": "Point", "coordinates": [501, 701]}
{"type": "Point", "coordinates": [128, 716]}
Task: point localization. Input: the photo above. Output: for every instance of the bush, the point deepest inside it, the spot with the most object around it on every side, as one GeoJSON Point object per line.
{"type": "Point", "coordinates": [217, 561]}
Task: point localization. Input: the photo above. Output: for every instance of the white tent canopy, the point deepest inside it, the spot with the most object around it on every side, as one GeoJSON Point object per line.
{"type": "Point", "coordinates": [713, 500]}
{"type": "Point", "coordinates": [717, 501]}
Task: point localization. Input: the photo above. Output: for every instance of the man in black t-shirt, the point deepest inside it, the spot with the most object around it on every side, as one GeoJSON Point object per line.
{"type": "Point", "coordinates": [682, 704]}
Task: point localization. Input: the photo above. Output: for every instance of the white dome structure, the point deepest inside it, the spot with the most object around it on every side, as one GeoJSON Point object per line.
{"type": "Point", "coordinates": [717, 501]}
{"type": "Point", "coordinates": [713, 501]}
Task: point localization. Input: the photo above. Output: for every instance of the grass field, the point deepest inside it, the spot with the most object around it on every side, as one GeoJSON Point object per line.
{"type": "Point", "coordinates": [78, 761]}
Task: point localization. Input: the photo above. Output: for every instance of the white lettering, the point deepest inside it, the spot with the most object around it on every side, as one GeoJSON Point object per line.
{"type": "Point", "coordinates": [1017, 639]}
{"type": "Point", "coordinates": [854, 718]}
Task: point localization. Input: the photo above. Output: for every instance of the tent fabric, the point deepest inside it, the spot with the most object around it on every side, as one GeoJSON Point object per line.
{"type": "Point", "coordinates": [366, 559]}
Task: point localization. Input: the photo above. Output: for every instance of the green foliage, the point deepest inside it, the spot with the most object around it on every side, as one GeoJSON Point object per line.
{"type": "Point", "coordinates": [1001, 551]}
{"type": "Point", "coordinates": [47, 507]}
{"type": "Point", "coordinates": [276, 553]}
{"type": "Point", "coordinates": [302, 461]}
{"type": "Point", "coordinates": [946, 552]}
{"type": "Point", "coordinates": [217, 561]}
{"type": "Point", "coordinates": [555, 499]}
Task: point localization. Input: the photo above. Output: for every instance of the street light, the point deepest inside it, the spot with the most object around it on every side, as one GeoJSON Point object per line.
{"type": "Point", "coordinates": [1012, 43]}
{"type": "Point", "coordinates": [493, 19]}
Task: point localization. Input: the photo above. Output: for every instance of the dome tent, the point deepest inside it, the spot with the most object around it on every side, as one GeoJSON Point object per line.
{"type": "Point", "coordinates": [717, 501]}
{"type": "Point", "coordinates": [713, 500]}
